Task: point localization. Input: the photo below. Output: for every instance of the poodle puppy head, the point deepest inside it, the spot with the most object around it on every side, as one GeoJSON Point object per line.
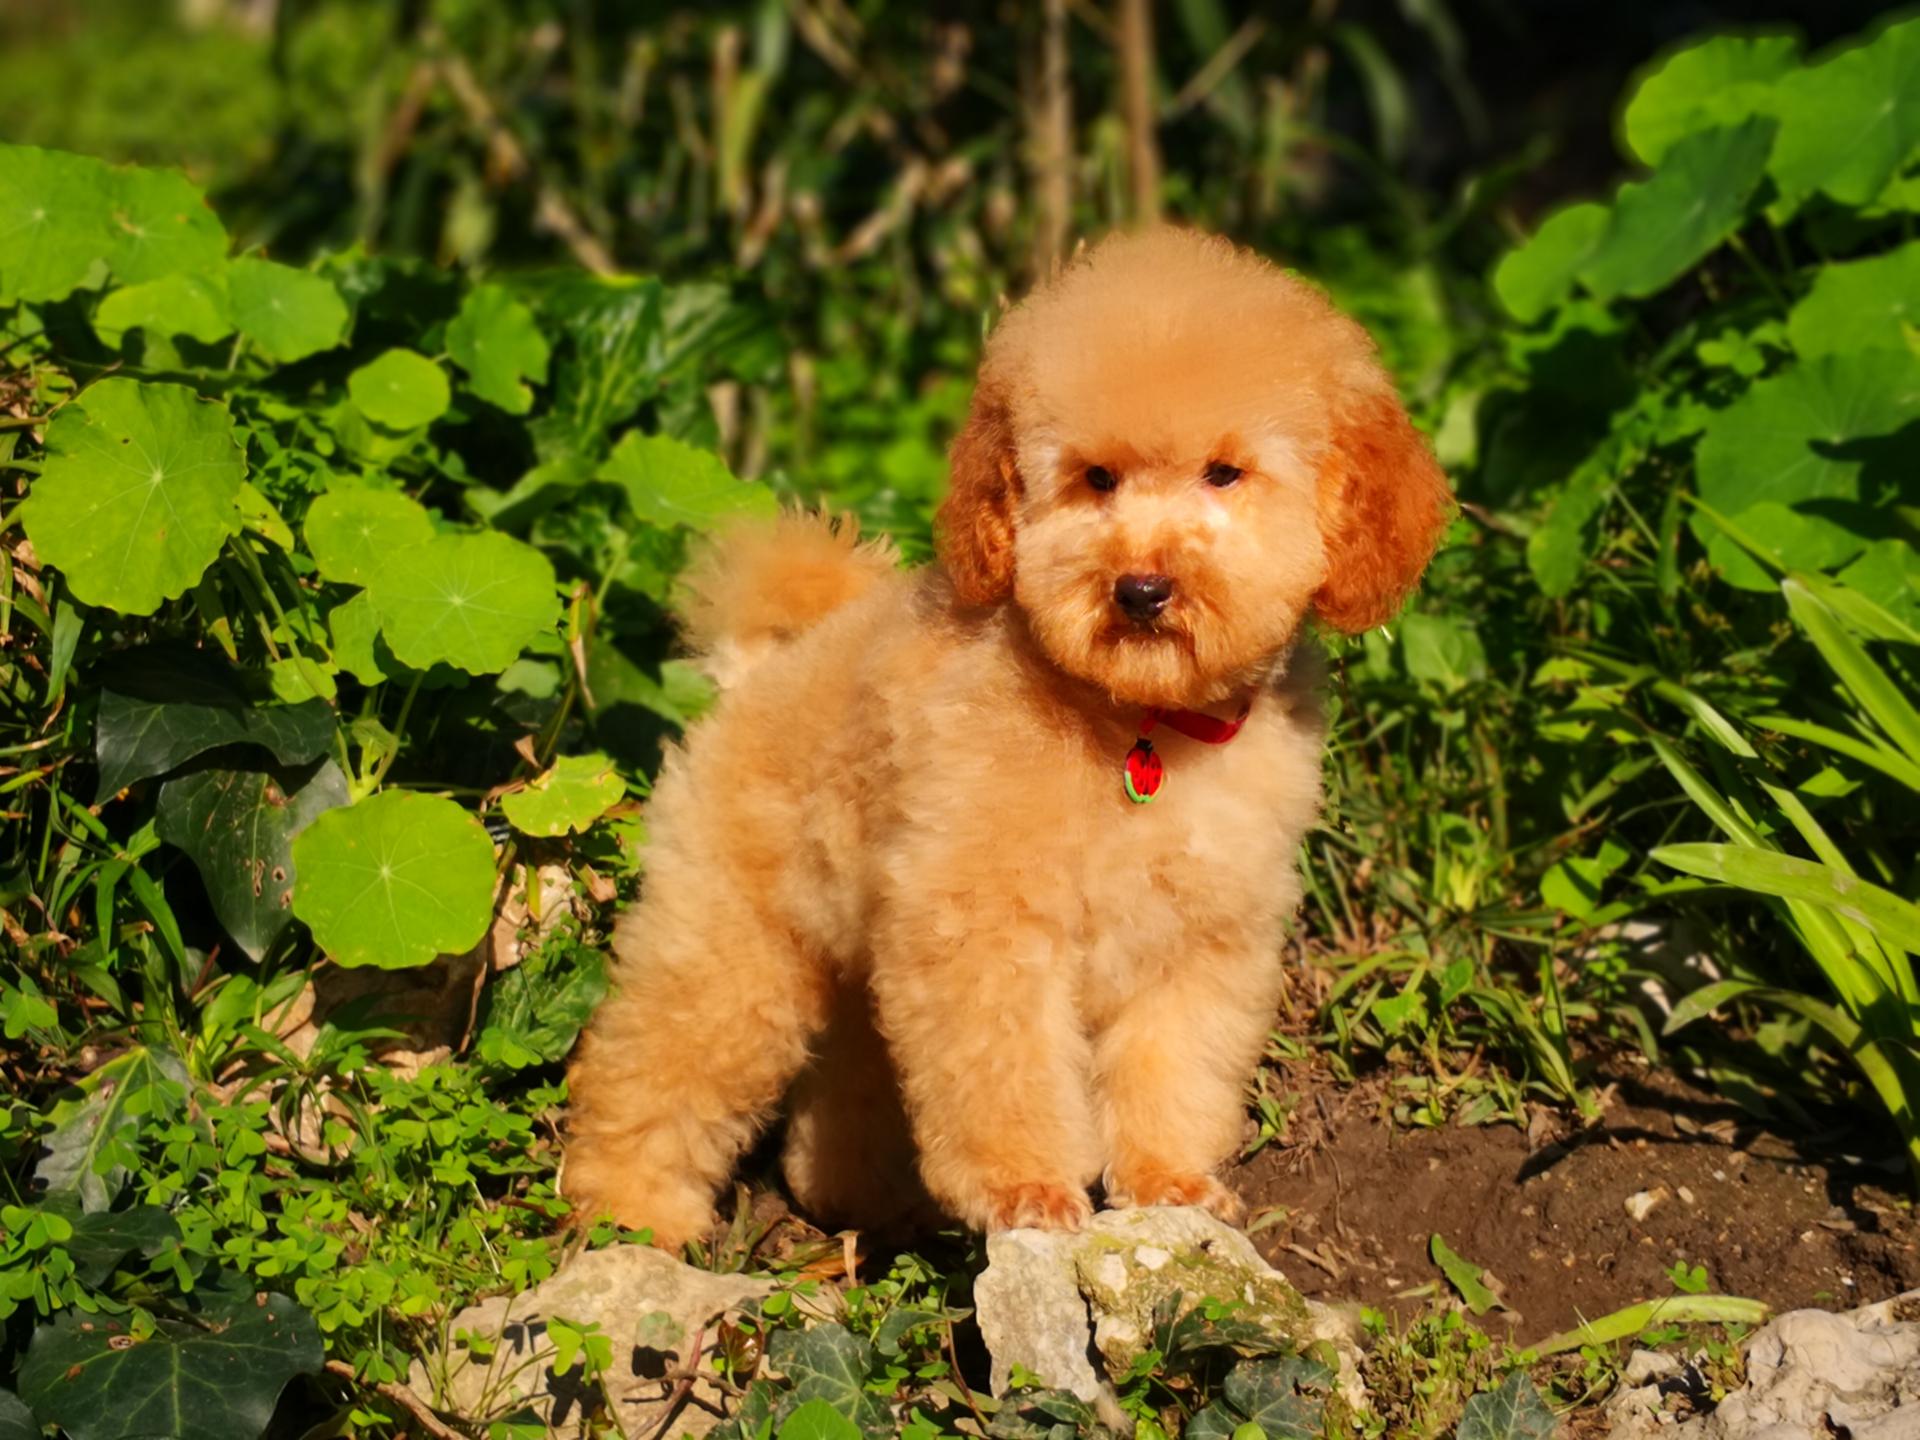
{"type": "Point", "coordinates": [1176, 452]}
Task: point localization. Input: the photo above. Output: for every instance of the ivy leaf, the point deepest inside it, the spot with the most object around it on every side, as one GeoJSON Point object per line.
{"type": "Point", "coordinates": [214, 1376]}
{"type": "Point", "coordinates": [817, 1420]}
{"type": "Point", "coordinates": [138, 493]}
{"type": "Point", "coordinates": [1514, 1411]}
{"type": "Point", "coordinates": [100, 1241]}
{"type": "Point", "coordinates": [16, 1420]}
{"type": "Point", "coordinates": [1463, 1275]}
{"type": "Point", "coordinates": [495, 340]}
{"type": "Point", "coordinates": [577, 791]}
{"type": "Point", "coordinates": [1534, 278]}
{"type": "Point", "coordinates": [1047, 1415]}
{"type": "Point", "coordinates": [290, 314]}
{"type": "Point", "coordinates": [1268, 1393]}
{"type": "Point", "coordinates": [1860, 305]}
{"type": "Point", "coordinates": [1800, 435]}
{"type": "Point", "coordinates": [1665, 223]}
{"type": "Point", "coordinates": [401, 390]}
{"type": "Point", "coordinates": [394, 881]}
{"type": "Point", "coordinates": [1721, 80]}
{"type": "Point", "coordinates": [473, 601]}
{"type": "Point", "coordinates": [88, 1151]}
{"type": "Point", "coordinates": [239, 827]}
{"type": "Point", "coordinates": [668, 482]}
{"type": "Point", "coordinates": [1849, 123]}
{"type": "Point", "coordinates": [831, 1364]}
{"type": "Point", "coordinates": [191, 305]}
{"type": "Point", "coordinates": [136, 735]}
{"type": "Point", "coordinates": [350, 532]}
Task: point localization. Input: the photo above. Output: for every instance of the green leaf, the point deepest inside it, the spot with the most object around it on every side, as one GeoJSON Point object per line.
{"type": "Point", "coordinates": [138, 493]}
{"type": "Point", "coordinates": [1721, 80]}
{"type": "Point", "coordinates": [577, 791]}
{"type": "Point", "coordinates": [1860, 305]}
{"type": "Point", "coordinates": [1513, 1411]}
{"type": "Point", "coordinates": [473, 601]}
{"type": "Point", "coordinates": [1871, 688]}
{"type": "Point", "coordinates": [1795, 437]}
{"type": "Point", "coordinates": [88, 1151]}
{"type": "Point", "coordinates": [1532, 279]}
{"type": "Point", "coordinates": [239, 827]}
{"type": "Point", "coordinates": [101, 1240]}
{"type": "Point", "coordinates": [1625, 1323]}
{"type": "Point", "coordinates": [817, 1420]}
{"type": "Point", "coordinates": [214, 1376]}
{"type": "Point", "coordinates": [495, 340]}
{"type": "Point", "coordinates": [289, 314]}
{"type": "Point", "coordinates": [1463, 1275]}
{"type": "Point", "coordinates": [1441, 650]}
{"type": "Point", "coordinates": [536, 1010]}
{"type": "Point", "coordinates": [1662, 225]}
{"type": "Point", "coordinates": [668, 482]}
{"type": "Point", "coordinates": [68, 215]}
{"type": "Point", "coordinates": [1849, 123]}
{"type": "Point", "coordinates": [136, 736]}
{"type": "Point", "coordinates": [192, 305]}
{"type": "Point", "coordinates": [355, 626]}
{"type": "Point", "coordinates": [1892, 919]}
{"type": "Point", "coordinates": [394, 881]}
{"type": "Point", "coordinates": [352, 532]}
{"type": "Point", "coordinates": [1278, 1395]}
{"type": "Point", "coordinates": [401, 390]}
{"type": "Point", "coordinates": [16, 1420]}
{"type": "Point", "coordinates": [831, 1364]}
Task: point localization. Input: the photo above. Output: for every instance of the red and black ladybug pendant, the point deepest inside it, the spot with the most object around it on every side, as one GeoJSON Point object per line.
{"type": "Point", "coordinates": [1143, 772]}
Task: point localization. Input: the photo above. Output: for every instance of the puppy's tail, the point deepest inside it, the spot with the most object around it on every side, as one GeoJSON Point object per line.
{"type": "Point", "coordinates": [758, 586]}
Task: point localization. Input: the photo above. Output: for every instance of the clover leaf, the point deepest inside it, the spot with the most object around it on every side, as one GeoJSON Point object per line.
{"type": "Point", "coordinates": [577, 791]}
{"type": "Point", "coordinates": [351, 532]}
{"type": "Point", "coordinates": [401, 390]}
{"type": "Point", "coordinates": [1663, 224]}
{"type": "Point", "coordinates": [1721, 80]}
{"type": "Point", "coordinates": [495, 340]}
{"type": "Point", "coordinates": [473, 601]}
{"type": "Point", "coordinates": [137, 495]}
{"type": "Point", "coordinates": [290, 314]}
{"type": "Point", "coordinates": [394, 881]}
{"type": "Point", "coordinates": [668, 482]}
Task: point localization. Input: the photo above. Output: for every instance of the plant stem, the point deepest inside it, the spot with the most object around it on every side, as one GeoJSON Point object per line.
{"type": "Point", "coordinates": [399, 730]}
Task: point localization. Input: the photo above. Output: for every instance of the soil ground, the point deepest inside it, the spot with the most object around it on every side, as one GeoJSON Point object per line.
{"type": "Point", "coordinates": [1768, 1217]}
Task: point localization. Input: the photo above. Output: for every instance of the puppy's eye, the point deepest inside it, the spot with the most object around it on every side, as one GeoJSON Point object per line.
{"type": "Point", "coordinates": [1101, 478]}
{"type": "Point", "coordinates": [1220, 474]}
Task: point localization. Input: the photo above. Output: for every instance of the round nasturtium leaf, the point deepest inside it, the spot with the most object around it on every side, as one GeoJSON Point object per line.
{"type": "Point", "coordinates": [669, 482]}
{"type": "Point", "coordinates": [290, 314]}
{"type": "Point", "coordinates": [1860, 305]}
{"type": "Point", "coordinates": [1850, 123]}
{"type": "Point", "coordinates": [190, 305]}
{"type": "Point", "coordinates": [577, 791]}
{"type": "Point", "coordinates": [1662, 225]}
{"type": "Point", "coordinates": [354, 627]}
{"type": "Point", "coordinates": [495, 340]}
{"type": "Point", "coordinates": [161, 225]}
{"type": "Point", "coordinates": [401, 390]}
{"type": "Point", "coordinates": [1535, 277]}
{"type": "Point", "coordinates": [473, 601]}
{"type": "Point", "coordinates": [1721, 80]}
{"type": "Point", "coordinates": [394, 881]}
{"type": "Point", "coordinates": [137, 494]}
{"type": "Point", "coordinates": [57, 206]}
{"type": "Point", "coordinates": [350, 532]}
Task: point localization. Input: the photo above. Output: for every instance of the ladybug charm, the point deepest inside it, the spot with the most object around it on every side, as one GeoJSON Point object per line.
{"type": "Point", "coordinates": [1143, 772]}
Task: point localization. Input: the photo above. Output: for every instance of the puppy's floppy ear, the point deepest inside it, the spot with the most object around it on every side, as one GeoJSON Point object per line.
{"type": "Point", "coordinates": [1383, 504]}
{"type": "Point", "coordinates": [974, 529]}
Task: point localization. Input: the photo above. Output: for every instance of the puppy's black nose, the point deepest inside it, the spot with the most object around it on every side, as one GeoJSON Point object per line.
{"type": "Point", "coordinates": [1142, 596]}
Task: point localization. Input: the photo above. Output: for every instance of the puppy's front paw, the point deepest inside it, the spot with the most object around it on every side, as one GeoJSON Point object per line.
{"type": "Point", "coordinates": [1158, 1187]}
{"type": "Point", "coordinates": [1038, 1205]}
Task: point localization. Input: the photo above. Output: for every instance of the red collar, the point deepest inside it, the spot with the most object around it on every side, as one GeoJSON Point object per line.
{"type": "Point", "coordinates": [1144, 772]}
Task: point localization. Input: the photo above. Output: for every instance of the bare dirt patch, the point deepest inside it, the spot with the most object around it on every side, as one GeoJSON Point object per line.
{"type": "Point", "coordinates": [1770, 1217]}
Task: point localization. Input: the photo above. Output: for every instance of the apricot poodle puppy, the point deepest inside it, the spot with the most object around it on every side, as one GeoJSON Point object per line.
{"type": "Point", "coordinates": [985, 867]}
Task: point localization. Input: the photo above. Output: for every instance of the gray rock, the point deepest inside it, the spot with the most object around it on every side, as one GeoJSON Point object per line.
{"type": "Point", "coordinates": [1074, 1308]}
{"type": "Point", "coordinates": [497, 1355]}
{"type": "Point", "coordinates": [1810, 1375]}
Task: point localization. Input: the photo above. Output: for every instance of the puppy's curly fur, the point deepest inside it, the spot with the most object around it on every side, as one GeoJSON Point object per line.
{"type": "Point", "coordinates": [894, 876]}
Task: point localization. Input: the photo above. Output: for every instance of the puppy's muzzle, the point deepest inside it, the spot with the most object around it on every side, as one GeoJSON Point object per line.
{"type": "Point", "coordinates": [1143, 597]}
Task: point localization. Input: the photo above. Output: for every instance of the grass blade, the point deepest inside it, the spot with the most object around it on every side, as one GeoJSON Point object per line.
{"type": "Point", "coordinates": [1870, 685]}
{"type": "Point", "coordinates": [1890, 918]}
{"type": "Point", "coordinates": [1676, 1310]}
